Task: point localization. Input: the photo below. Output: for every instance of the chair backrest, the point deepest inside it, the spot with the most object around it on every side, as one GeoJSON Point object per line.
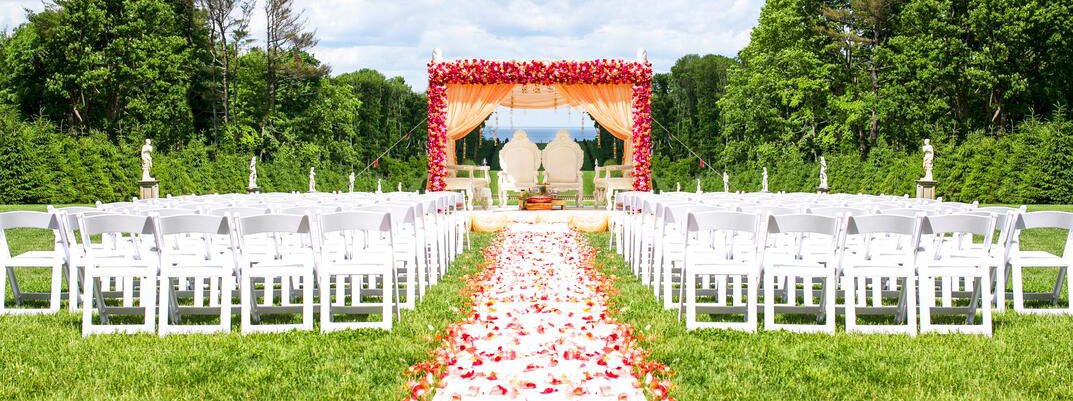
{"type": "Point", "coordinates": [193, 223]}
{"type": "Point", "coordinates": [909, 212]}
{"type": "Point", "coordinates": [273, 223]}
{"type": "Point", "coordinates": [312, 209]}
{"type": "Point", "coordinates": [901, 236]}
{"type": "Point", "coordinates": [32, 220]}
{"type": "Point", "coordinates": [520, 159]}
{"type": "Point", "coordinates": [113, 227]}
{"type": "Point", "coordinates": [239, 211]}
{"type": "Point", "coordinates": [884, 224]}
{"type": "Point", "coordinates": [357, 220]}
{"type": "Point", "coordinates": [29, 219]}
{"type": "Point", "coordinates": [803, 223]}
{"type": "Point", "coordinates": [838, 211]}
{"type": "Point", "coordinates": [562, 159]}
{"type": "Point", "coordinates": [962, 227]}
{"type": "Point", "coordinates": [165, 212]}
{"type": "Point", "coordinates": [1045, 219]}
{"type": "Point", "coordinates": [772, 210]}
{"type": "Point", "coordinates": [719, 221]}
{"type": "Point", "coordinates": [113, 224]}
{"type": "Point", "coordinates": [983, 225]}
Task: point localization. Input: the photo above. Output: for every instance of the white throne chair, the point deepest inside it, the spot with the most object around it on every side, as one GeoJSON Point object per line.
{"type": "Point", "coordinates": [519, 159]}
{"type": "Point", "coordinates": [563, 159]}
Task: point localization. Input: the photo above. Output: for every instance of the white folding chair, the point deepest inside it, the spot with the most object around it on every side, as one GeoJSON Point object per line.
{"type": "Point", "coordinates": [53, 259]}
{"type": "Point", "coordinates": [136, 271]}
{"type": "Point", "coordinates": [805, 265]}
{"type": "Point", "coordinates": [362, 265]}
{"type": "Point", "coordinates": [725, 260]}
{"type": "Point", "coordinates": [288, 260]}
{"type": "Point", "coordinates": [957, 264]}
{"type": "Point", "coordinates": [198, 259]}
{"type": "Point", "coordinates": [876, 257]}
{"type": "Point", "coordinates": [1020, 259]}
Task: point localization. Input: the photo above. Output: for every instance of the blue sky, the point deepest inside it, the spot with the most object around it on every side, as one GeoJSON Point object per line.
{"type": "Point", "coordinates": [397, 37]}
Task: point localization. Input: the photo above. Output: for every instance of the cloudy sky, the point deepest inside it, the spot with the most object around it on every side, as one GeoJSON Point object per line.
{"type": "Point", "coordinates": [397, 37]}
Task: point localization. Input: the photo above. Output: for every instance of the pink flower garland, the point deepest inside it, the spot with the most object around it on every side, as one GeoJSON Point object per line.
{"type": "Point", "coordinates": [484, 72]}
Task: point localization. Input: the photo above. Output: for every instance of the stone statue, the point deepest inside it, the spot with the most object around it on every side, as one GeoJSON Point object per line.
{"type": "Point", "coordinates": [147, 160]}
{"type": "Point", "coordinates": [763, 187]}
{"type": "Point", "coordinates": [726, 182]}
{"type": "Point", "coordinates": [677, 187]}
{"type": "Point", "coordinates": [399, 188]}
{"type": "Point", "coordinates": [350, 182]}
{"type": "Point", "coordinates": [378, 186]}
{"type": "Point", "coordinates": [698, 186]}
{"type": "Point", "coordinates": [823, 172]}
{"type": "Point", "coordinates": [253, 172]}
{"type": "Point", "coordinates": [929, 160]}
{"type": "Point", "coordinates": [312, 179]}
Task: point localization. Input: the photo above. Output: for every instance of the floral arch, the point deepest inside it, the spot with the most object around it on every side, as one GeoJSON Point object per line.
{"type": "Point", "coordinates": [616, 93]}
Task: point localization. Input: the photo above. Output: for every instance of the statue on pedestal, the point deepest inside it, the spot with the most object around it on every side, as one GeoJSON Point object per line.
{"type": "Point", "coordinates": [677, 187]}
{"type": "Point", "coordinates": [698, 186]}
{"type": "Point", "coordinates": [312, 179]}
{"type": "Point", "coordinates": [147, 160]}
{"type": "Point", "coordinates": [253, 173]}
{"type": "Point", "coordinates": [726, 182]}
{"type": "Point", "coordinates": [929, 160]}
{"type": "Point", "coordinates": [763, 187]}
{"type": "Point", "coordinates": [823, 172]}
{"type": "Point", "coordinates": [350, 182]}
{"type": "Point", "coordinates": [399, 189]}
{"type": "Point", "coordinates": [378, 190]}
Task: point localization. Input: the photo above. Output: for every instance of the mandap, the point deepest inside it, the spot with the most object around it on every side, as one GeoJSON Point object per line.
{"type": "Point", "coordinates": [615, 93]}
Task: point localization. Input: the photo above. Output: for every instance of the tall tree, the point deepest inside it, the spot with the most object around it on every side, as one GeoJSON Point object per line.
{"type": "Point", "coordinates": [225, 17]}
{"type": "Point", "coordinates": [285, 35]}
{"type": "Point", "coordinates": [864, 27]}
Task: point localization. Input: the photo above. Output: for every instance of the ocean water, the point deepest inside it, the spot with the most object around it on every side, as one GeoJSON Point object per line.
{"type": "Point", "coordinates": [542, 134]}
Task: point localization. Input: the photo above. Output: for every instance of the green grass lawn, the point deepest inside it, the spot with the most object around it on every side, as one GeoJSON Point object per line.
{"type": "Point", "coordinates": [45, 356]}
{"type": "Point", "coordinates": [1028, 357]}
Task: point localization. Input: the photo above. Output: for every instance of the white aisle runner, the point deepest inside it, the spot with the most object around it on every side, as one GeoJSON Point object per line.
{"type": "Point", "coordinates": [539, 329]}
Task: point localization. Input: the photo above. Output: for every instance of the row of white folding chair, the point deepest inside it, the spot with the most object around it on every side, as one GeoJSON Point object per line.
{"type": "Point", "coordinates": [661, 221]}
{"type": "Point", "coordinates": [854, 266]}
{"type": "Point", "coordinates": [73, 278]}
{"type": "Point", "coordinates": [286, 260]}
{"type": "Point", "coordinates": [829, 211]}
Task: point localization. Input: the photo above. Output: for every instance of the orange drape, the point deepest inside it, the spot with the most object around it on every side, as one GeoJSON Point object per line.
{"type": "Point", "coordinates": [609, 105]}
{"type": "Point", "coordinates": [467, 107]}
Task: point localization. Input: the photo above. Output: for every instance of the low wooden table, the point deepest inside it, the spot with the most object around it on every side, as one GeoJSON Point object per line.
{"type": "Point", "coordinates": [555, 203]}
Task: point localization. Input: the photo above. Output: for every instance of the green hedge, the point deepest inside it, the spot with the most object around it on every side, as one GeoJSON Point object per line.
{"type": "Point", "coordinates": [1031, 164]}
{"type": "Point", "coordinates": [39, 165]}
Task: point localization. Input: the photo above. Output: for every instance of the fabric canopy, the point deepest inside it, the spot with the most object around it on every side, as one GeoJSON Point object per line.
{"type": "Point", "coordinates": [469, 105]}
{"type": "Point", "coordinates": [609, 105]}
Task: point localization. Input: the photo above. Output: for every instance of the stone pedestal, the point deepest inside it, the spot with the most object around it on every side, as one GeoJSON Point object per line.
{"type": "Point", "coordinates": [823, 190]}
{"type": "Point", "coordinates": [926, 189]}
{"type": "Point", "coordinates": [253, 190]}
{"type": "Point", "coordinates": [149, 189]}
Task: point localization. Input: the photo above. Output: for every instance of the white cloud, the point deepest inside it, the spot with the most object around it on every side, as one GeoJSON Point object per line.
{"type": "Point", "coordinates": [397, 37]}
{"type": "Point", "coordinates": [13, 12]}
